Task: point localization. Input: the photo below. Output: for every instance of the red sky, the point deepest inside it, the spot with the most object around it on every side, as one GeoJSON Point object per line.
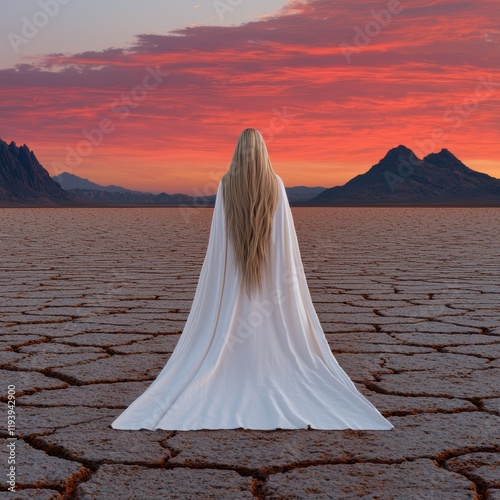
{"type": "Point", "coordinates": [426, 75]}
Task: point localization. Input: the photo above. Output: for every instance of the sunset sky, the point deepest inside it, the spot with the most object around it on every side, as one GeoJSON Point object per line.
{"type": "Point", "coordinates": [164, 89]}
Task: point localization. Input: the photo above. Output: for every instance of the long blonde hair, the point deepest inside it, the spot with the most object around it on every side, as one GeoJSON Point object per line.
{"type": "Point", "coordinates": [250, 193]}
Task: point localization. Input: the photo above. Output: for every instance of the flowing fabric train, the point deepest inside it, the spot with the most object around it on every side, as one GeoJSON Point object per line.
{"type": "Point", "coordinates": [260, 363]}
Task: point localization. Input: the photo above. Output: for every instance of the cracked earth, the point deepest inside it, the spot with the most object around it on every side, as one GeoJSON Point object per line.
{"type": "Point", "coordinates": [93, 302]}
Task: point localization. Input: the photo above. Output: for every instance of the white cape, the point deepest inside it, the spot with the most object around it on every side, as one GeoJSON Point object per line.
{"type": "Point", "coordinates": [257, 364]}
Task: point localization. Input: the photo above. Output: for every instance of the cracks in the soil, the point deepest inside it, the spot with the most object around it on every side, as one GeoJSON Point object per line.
{"type": "Point", "coordinates": [374, 387]}
{"type": "Point", "coordinates": [478, 402]}
{"type": "Point", "coordinates": [90, 467]}
{"type": "Point", "coordinates": [479, 483]}
{"type": "Point", "coordinates": [65, 319]}
{"type": "Point", "coordinates": [260, 476]}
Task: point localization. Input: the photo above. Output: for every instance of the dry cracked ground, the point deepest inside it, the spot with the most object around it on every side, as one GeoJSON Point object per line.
{"type": "Point", "coordinates": [93, 303]}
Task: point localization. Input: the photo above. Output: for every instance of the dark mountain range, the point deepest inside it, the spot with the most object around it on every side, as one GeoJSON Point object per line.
{"type": "Point", "coordinates": [137, 198]}
{"type": "Point", "coordinates": [70, 181]}
{"type": "Point", "coordinates": [400, 178]}
{"type": "Point", "coordinates": [24, 182]}
{"type": "Point", "coordinates": [116, 194]}
{"type": "Point", "coordinates": [302, 193]}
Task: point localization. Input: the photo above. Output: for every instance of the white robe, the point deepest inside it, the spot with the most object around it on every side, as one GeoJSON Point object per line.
{"type": "Point", "coordinates": [263, 363]}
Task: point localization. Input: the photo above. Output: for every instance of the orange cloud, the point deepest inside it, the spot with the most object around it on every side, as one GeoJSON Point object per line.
{"type": "Point", "coordinates": [429, 78]}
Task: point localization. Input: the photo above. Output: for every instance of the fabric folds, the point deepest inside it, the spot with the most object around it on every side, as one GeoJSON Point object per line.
{"type": "Point", "coordinates": [261, 363]}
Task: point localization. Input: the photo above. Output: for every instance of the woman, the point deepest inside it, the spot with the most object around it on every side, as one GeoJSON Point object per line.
{"type": "Point", "coordinates": [252, 353]}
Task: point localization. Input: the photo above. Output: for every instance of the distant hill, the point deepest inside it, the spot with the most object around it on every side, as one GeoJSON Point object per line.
{"type": "Point", "coordinates": [400, 178]}
{"type": "Point", "coordinates": [70, 181]}
{"type": "Point", "coordinates": [24, 182]}
{"type": "Point", "coordinates": [136, 198]}
{"type": "Point", "coordinates": [302, 193]}
{"type": "Point", "coordinates": [115, 194]}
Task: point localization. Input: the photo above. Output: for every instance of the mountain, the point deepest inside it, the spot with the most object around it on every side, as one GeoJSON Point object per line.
{"type": "Point", "coordinates": [70, 181]}
{"type": "Point", "coordinates": [302, 193]}
{"type": "Point", "coordinates": [84, 187]}
{"type": "Point", "coordinates": [137, 198]}
{"type": "Point", "coordinates": [112, 194]}
{"type": "Point", "coordinates": [24, 182]}
{"type": "Point", "coordinates": [116, 195]}
{"type": "Point", "coordinates": [400, 178]}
